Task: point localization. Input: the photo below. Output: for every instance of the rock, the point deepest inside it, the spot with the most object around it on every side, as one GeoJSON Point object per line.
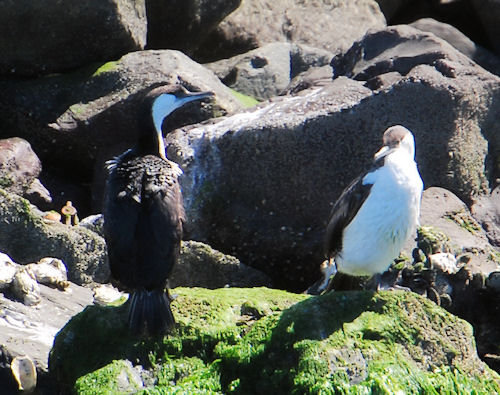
{"type": "Point", "coordinates": [27, 238]}
{"type": "Point", "coordinates": [428, 64]}
{"type": "Point", "coordinates": [80, 120]}
{"type": "Point", "coordinates": [460, 41]}
{"type": "Point", "coordinates": [390, 8]}
{"type": "Point", "coordinates": [486, 210]}
{"type": "Point", "coordinates": [42, 38]}
{"type": "Point", "coordinates": [259, 184]}
{"type": "Point", "coordinates": [444, 211]}
{"type": "Point", "coordinates": [105, 294]}
{"type": "Point", "coordinates": [51, 272]}
{"type": "Point", "coordinates": [266, 71]}
{"type": "Point", "coordinates": [489, 15]}
{"type": "Point", "coordinates": [19, 169]}
{"type": "Point", "coordinates": [182, 24]}
{"type": "Point", "coordinates": [253, 332]}
{"type": "Point", "coordinates": [30, 330]}
{"type": "Point", "coordinates": [332, 26]}
{"type": "Point", "coordinates": [202, 266]}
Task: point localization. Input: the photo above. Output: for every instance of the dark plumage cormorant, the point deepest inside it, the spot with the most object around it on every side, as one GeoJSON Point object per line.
{"type": "Point", "coordinates": [144, 214]}
{"type": "Point", "coordinates": [377, 212]}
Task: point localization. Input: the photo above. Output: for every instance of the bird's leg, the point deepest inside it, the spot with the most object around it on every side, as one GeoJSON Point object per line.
{"type": "Point", "coordinates": [329, 272]}
{"type": "Point", "coordinates": [382, 286]}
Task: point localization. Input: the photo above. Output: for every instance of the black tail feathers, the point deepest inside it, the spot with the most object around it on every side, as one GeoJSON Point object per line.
{"type": "Point", "coordinates": [150, 313]}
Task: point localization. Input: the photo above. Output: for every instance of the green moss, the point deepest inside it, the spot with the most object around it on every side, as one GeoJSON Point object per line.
{"type": "Point", "coordinates": [106, 68]}
{"type": "Point", "coordinates": [342, 342]}
{"type": "Point", "coordinates": [245, 101]}
{"type": "Point", "coordinates": [431, 240]}
{"type": "Point", "coordinates": [6, 181]}
{"type": "Point", "coordinates": [464, 219]}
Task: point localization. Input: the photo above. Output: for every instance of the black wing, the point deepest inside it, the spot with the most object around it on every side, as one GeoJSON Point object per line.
{"type": "Point", "coordinates": [142, 228]}
{"type": "Point", "coordinates": [345, 209]}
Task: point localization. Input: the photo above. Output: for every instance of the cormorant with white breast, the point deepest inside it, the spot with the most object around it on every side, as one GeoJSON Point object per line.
{"type": "Point", "coordinates": [144, 214]}
{"type": "Point", "coordinates": [377, 213]}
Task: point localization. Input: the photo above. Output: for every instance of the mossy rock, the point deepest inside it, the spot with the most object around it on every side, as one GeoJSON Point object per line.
{"type": "Point", "coordinates": [256, 341]}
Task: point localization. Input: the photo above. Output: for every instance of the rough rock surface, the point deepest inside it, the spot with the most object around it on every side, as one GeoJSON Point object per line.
{"type": "Point", "coordinates": [259, 184]}
{"type": "Point", "coordinates": [267, 71]}
{"type": "Point", "coordinates": [269, 341]}
{"type": "Point", "coordinates": [183, 25]}
{"type": "Point", "coordinates": [26, 237]}
{"type": "Point", "coordinates": [79, 121]}
{"type": "Point", "coordinates": [294, 21]}
{"type": "Point", "coordinates": [54, 36]}
{"type": "Point", "coordinates": [486, 210]}
{"type": "Point", "coordinates": [445, 211]}
{"type": "Point", "coordinates": [460, 41]}
{"type": "Point", "coordinates": [19, 169]}
{"type": "Point", "coordinates": [201, 266]}
{"type": "Point", "coordinates": [30, 330]}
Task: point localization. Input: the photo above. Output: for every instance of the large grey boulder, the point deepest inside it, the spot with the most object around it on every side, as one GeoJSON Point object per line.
{"type": "Point", "coordinates": [267, 71]}
{"type": "Point", "coordinates": [332, 26]}
{"type": "Point", "coordinates": [19, 171]}
{"type": "Point", "coordinates": [26, 236]}
{"type": "Point", "coordinates": [80, 120]}
{"type": "Point", "coordinates": [460, 41]}
{"type": "Point", "coordinates": [486, 210]}
{"type": "Point", "coordinates": [53, 36]}
{"type": "Point", "coordinates": [183, 24]}
{"type": "Point", "coordinates": [260, 184]}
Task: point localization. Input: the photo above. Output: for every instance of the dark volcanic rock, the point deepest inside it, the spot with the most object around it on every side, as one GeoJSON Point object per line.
{"type": "Point", "coordinates": [19, 169]}
{"type": "Point", "coordinates": [78, 121]}
{"type": "Point", "coordinates": [26, 237]}
{"type": "Point", "coordinates": [332, 26]}
{"type": "Point", "coordinates": [202, 266]}
{"type": "Point", "coordinates": [460, 41]}
{"type": "Point", "coordinates": [259, 185]}
{"type": "Point", "coordinates": [267, 71]}
{"type": "Point", "coordinates": [53, 36]}
{"type": "Point", "coordinates": [183, 24]}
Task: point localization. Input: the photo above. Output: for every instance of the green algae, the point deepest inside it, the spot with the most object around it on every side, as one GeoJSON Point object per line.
{"type": "Point", "coordinates": [106, 68]}
{"type": "Point", "coordinates": [464, 220]}
{"type": "Point", "coordinates": [247, 341]}
{"type": "Point", "coordinates": [245, 100]}
{"type": "Point", "coordinates": [431, 240]}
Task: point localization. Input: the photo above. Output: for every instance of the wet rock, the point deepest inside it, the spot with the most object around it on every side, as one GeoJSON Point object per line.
{"type": "Point", "coordinates": [331, 26]}
{"type": "Point", "coordinates": [182, 24]}
{"type": "Point", "coordinates": [202, 266]}
{"type": "Point", "coordinates": [460, 41]}
{"type": "Point", "coordinates": [26, 237]}
{"type": "Point", "coordinates": [253, 332]}
{"type": "Point", "coordinates": [19, 169]}
{"type": "Point", "coordinates": [266, 71]}
{"type": "Point", "coordinates": [78, 121]}
{"type": "Point", "coordinates": [42, 38]}
{"type": "Point", "coordinates": [390, 8]}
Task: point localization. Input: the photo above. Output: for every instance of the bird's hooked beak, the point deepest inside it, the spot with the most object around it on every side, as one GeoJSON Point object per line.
{"type": "Point", "coordinates": [384, 151]}
{"type": "Point", "coordinates": [167, 103]}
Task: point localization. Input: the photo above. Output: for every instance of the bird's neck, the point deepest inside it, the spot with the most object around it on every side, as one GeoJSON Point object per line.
{"type": "Point", "coordinates": [151, 144]}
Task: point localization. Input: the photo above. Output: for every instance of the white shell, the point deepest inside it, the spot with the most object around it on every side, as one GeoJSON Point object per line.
{"type": "Point", "coordinates": [8, 269]}
{"type": "Point", "coordinates": [24, 371]}
{"type": "Point", "coordinates": [444, 261]}
{"type": "Point", "coordinates": [49, 271]}
{"type": "Point", "coordinates": [25, 287]}
{"type": "Point", "coordinates": [106, 294]}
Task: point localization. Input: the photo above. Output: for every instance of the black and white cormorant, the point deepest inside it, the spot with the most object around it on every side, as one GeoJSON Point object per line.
{"type": "Point", "coordinates": [144, 214]}
{"type": "Point", "coordinates": [377, 213]}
